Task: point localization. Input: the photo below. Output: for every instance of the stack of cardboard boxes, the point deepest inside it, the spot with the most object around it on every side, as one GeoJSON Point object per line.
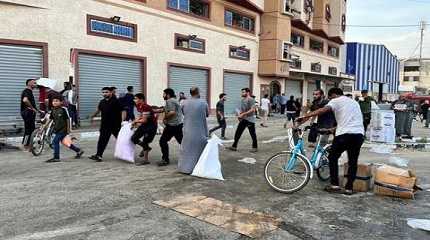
{"type": "Point", "coordinates": [384, 180]}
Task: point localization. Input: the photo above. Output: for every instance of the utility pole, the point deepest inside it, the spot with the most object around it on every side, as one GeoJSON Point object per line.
{"type": "Point", "coordinates": [422, 27]}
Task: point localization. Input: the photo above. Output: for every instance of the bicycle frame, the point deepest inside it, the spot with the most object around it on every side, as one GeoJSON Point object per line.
{"type": "Point", "coordinates": [299, 149]}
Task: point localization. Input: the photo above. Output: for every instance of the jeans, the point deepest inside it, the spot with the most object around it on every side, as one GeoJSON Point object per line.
{"type": "Point", "coordinates": [168, 133]}
{"type": "Point", "coordinates": [243, 124]}
{"type": "Point", "coordinates": [105, 133]}
{"type": "Point", "coordinates": [29, 118]}
{"type": "Point", "coordinates": [222, 124]}
{"type": "Point", "coordinates": [351, 143]}
{"type": "Point", "coordinates": [366, 121]}
{"type": "Point", "coordinates": [56, 142]}
{"type": "Point", "coordinates": [148, 132]}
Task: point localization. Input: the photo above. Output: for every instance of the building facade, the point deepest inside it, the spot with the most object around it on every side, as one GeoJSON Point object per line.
{"type": "Point", "coordinates": [375, 69]}
{"type": "Point", "coordinates": [300, 46]}
{"type": "Point", "coordinates": [414, 78]}
{"type": "Point", "coordinates": [148, 44]}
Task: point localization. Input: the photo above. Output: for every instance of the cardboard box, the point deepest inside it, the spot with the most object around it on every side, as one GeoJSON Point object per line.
{"type": "Point", "coordinates": [395, 182]}
{"type": "Point", "coordinates": [364, 176]}
{"type": "Point", "coordinates": [377, 134]}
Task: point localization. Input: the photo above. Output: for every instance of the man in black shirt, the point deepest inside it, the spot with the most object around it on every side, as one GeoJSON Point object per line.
{"type": "Point", "coordinates": [28, 111]}
{"type": "Point", "coordinates": [291, 109]}
{"type": "Point", "coordinates": [220, 116]}
{"type": "Point", "coordinates": [112, 115]}
{"type": "Point", "coordinates": [325, 121]}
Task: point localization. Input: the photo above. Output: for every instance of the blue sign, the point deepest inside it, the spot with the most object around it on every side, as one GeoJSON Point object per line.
{"type": "Point", "coordinates": [112, 29]}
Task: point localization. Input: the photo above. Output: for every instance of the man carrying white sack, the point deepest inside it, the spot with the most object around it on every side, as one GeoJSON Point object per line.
{"type": "Point", "coordinates": [195, 131]}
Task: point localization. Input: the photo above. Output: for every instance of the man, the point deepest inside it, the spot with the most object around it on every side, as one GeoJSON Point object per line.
{"type": "Point", "coordinates": [222, 124]}
{"type": "Point", "coordinates": [425, 110]}
{"type": "Point", "coordinates": [265, 107]}
{"type": "Point", "coordinates": [366, 108]}
{"type": "Point", "coordinates": [283, 101]}
{"type": "Point", "coordinates": [71, 97]}
{"type": "Point", "coordinates": [127, 102]}
{"type": "Point", "coordinates": [324, 121]}
{"type": "Point", "coordinates": [182, 97]}
{"type": "Point", "coordinates": [147, 128]}
{"type": "Point", "coordinates": [28, 111]}
{"type": "Point", "coordinates": [403, 109]}
{"type": "Point", "coordinates": [112, 115]}
{"type": "Point", "coordinates": [246, 117]}
{"type": "Point", "coordinates": [298, 107]}
{"type": "Point", "coordinates": [276, 103]}
{"type": "Point", "coordinates": [349, 136]}
{"type": "Point", "coordinates": [291, 109]}
{"type": "Point", "coordinates": [173, 124]}
{"type": "Point", "coordinates": [195, 111]}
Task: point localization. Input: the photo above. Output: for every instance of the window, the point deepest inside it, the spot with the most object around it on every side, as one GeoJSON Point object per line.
{"type": "Point", "coordinates": [411, 68]}
{"type": "Point", "coordinates": [190, 43]}
{"type": "Point", "coordinates": [298, 40]}
{"type": "Point", "coordinates": [327, 13]}
{"type": "Point", "coordinates": [406, 79]}
{"type": "Point", "coordinates": [296, 63]}
{"type": "Point", "coordinates": [333, 51]}
{"type": "Point", "coordinates": [316, 45]}
{"type": "Point", "coordinates": [198, 8]}
{"type": "Point", "coordinates": [287, 7]}
{"type": "Point", "coordinates": [416, 79]}
{"type": "Point", "coordinates": [332, 70]}
{"type": "Point", "coordinates": [316, 67]}
{"type": "Point", "coordinates": [239, 53]}
{"type": "Point", "coordinates": [236, 20]}
{"type": "Point", "coordinates": [286, 51]}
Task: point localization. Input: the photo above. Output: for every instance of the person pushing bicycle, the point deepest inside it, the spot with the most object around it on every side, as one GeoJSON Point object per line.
{"type": "Point", "coordinates": [349, 137]}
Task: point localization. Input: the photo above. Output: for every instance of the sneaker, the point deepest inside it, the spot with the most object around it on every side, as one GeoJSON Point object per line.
{"type": "Point", "coordinates": [348, 192]}
{"type": "Point", "coordinates": [52, 160]}
{"type": "Point", "coordinates": [79, 154]}
{"type": "Point", "coordinates": [163, 163]}
{"type": "Point", "coordinates": [96, 158]}
{"type": "Point", "coordinates": [333, 189]}
{"type": "Point", "coordinates": [234, 149]}
{"type": "Point", "coordinates": [253, 150]}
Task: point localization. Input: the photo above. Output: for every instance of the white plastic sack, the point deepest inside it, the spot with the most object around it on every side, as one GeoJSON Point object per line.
{"type": "Point", "coordinates": [124, 147]}
{"type": "Point", "coordinates": [423, 224]}
{"type": "Point", "coordinates": [209, 165]}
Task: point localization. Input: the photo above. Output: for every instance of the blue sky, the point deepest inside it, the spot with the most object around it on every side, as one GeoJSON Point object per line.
{"type": "Point", "coordinates": [400, 41]}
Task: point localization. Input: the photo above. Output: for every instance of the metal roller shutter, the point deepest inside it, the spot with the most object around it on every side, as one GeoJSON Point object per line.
{"type": "Point", "coordinates": [17, 64]}
{"type": "Point", "coordinates": [181, 79]}
{"type": "Point", "coordinates": [311, 88]}
{"type": "Point", "coordinates": [293, 88]}
{"type": "Point", "coordinates": [96, 72]}
{"type": "Point", "coordinates": [233, 83]}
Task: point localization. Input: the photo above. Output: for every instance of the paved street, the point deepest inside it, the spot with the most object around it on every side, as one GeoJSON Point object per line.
{"type": "Point", "coordinates": [81, 199]}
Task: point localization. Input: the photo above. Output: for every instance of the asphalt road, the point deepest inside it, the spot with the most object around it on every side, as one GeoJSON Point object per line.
{"type": "Point", "coordinates": [81, 199]}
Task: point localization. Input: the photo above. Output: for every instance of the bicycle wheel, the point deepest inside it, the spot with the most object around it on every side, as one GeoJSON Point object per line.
{"type": "Point", "coordinates": [323, 170]}
{"type": "Point", "coordinates": [287, 180]}
{"type": "Point", "coordinates": [37, 142]}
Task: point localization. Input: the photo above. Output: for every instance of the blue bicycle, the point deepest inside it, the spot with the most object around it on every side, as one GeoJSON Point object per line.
{"type": "Point", "coordinates": [290, 171]}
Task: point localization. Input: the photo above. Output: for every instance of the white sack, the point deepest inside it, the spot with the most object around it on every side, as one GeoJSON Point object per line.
{"type": "Point", "coordinates": [124, 147]}
{"type": "Point", "coordinates": [209, 165]}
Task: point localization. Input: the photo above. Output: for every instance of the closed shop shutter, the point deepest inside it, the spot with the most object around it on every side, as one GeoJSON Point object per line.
{"type": "Point", "coordinates": [96, 72]}
{"type": "Point", "coordinates": [311, 88]}
{"type": "Point", "coordinates": [293, 88]}
{"type": "Point", "coordinates": [233, 83]}
{"type": "Point", "coordinates": [181, 79]}
{"type": "Point", "coordinates": [17, 64]}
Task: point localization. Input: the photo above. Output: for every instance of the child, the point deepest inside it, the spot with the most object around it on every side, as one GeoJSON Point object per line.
{"type": "Point", "coordinates": [61, 127]}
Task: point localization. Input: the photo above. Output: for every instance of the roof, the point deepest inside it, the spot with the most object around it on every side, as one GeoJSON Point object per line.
{"type": "Point", "coordinates": [374, 45]}
{"type": "Point", "coordinates": [247, 4]}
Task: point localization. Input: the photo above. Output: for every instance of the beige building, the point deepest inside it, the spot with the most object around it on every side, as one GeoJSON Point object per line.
{"type": "Point", "coordinates": [148, 44]}
{"type": "Point", "coordinates": [276, 46]}
{"type": "Point", "coordinates": [300, 46]}
{"type": "Point", "coordinates": [413, 78]}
